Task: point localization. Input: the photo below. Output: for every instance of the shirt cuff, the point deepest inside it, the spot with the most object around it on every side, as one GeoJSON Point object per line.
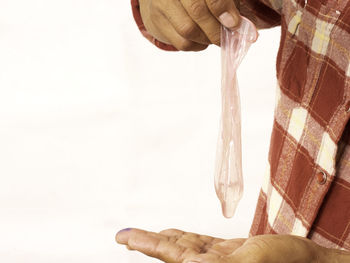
{"type": "Point", "coordinates": [263, 13]}
{"type": "Point", "coordinates": [137, 16]}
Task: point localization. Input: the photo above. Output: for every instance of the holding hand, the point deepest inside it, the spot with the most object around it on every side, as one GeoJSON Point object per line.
{"type": "Point", "coordinates": [189, 25]}
{"type": "Point", "coordinates": [175, 246]}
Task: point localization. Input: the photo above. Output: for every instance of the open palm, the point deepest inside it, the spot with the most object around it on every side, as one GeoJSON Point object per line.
{"type": "Point", "coordinates": [176, 246]}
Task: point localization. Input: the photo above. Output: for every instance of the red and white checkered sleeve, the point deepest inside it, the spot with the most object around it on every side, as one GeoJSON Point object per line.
{"type": "Point", "coordinates": [264, 13]}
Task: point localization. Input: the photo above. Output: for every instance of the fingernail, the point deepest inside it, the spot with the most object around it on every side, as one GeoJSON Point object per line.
{"type": "Point", "coordinates": [228, 20]}
{"type": "Point", "coordinates": [124, 230]}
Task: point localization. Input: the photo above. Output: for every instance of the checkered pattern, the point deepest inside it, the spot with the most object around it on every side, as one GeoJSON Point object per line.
{"type": "Point", "coordinates": [311, 132]}
{"type": "Point", "coordinates": [294, 23]}
{"type": "Point", "coordinates": [297, 123]}
{"type": "Point", "coordinates": [298, 228]}
{"type": "Point", "coordinates": [321, 38]}
{"type": "Point", "coordinates": [326, 154]}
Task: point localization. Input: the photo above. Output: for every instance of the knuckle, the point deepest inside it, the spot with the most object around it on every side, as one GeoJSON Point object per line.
{"type": "Point", "coordinates": [188, 30]}
{"type": "Point", "coordinates": [197, 9]}
{"type": "Point", "coordinates": [215, 4]}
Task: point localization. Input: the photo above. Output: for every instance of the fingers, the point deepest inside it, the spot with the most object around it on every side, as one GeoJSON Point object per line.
{"type": "Point", "coordinates": [208, 14]}
{"type": "Point", "coordinates": [189, 25]}
{"type": "Point", "coordinates": [180, 42]}
{"type": "Point", "coordinates": [124, 235]}
{"type": "Point", "coordinates": [205, 258]}
{"type": "Point", "coordinates": [190, 236]}
{"type": "Point", "coordinates": [190, 244]}
{"type": "Point", "coordinates": [199, 243]}
{"type": "Point", "coordinates": [201, 15]}
{"type": "Point", "coordinates": [154, 245]}
{"type": "Point", "coordinates": [184, 25]}
{"type": "Point", "coordinates": [211, 240]}
{"type": "Point", "coordinates": [225, 11]}
{"type": "Point", "coordinates": [172, 232]}
{"type": "Point", "coordinates": [166, 21]}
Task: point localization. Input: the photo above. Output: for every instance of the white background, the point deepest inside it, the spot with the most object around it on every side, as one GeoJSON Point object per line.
{"type": "Point", "coordinates": [99, 131]}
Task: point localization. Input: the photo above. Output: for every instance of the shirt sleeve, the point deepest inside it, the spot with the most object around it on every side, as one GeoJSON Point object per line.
{"type": "Point", "coordinates": [263, 13]}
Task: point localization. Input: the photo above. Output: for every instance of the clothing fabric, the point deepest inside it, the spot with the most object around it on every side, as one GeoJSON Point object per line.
{"type": "Point", "coordinates": [306, 190]}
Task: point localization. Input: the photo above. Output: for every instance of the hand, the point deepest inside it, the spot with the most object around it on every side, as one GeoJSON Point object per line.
{"type": "Point", "coordinates": [189, 25]}
{"type": "Point", "coordinates": [175, 246]}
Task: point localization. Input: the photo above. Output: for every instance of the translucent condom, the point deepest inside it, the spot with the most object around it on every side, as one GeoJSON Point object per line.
{"type": "Point", "coordinates": [228, 171]}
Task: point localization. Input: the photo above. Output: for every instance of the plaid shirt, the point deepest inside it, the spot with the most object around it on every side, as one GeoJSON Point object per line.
{"type": "Point", "coordinates": [306, 190]}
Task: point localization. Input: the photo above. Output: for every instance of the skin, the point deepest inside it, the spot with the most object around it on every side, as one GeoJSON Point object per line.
{"type": "Point", "coordinates": [176, 246]}
{"type": "Point", "coordinates": [189, 25]}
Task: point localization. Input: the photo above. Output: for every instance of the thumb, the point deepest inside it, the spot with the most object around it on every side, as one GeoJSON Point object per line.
{"type": "Point", "coordinates": [225, 11]}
